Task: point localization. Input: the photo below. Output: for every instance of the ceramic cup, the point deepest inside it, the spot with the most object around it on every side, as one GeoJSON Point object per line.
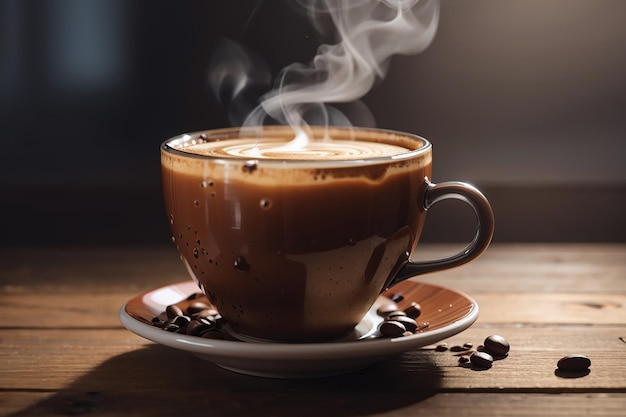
{"type": "Point", "coordinates": [295, 245]}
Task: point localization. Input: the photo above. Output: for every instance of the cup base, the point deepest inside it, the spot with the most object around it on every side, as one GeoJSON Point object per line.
{"type": "Point", "coordinates": [367, 328]}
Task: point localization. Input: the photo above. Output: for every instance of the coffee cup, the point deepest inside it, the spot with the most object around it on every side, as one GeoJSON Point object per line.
{"type": "Point", "coordinates": [292, 239]}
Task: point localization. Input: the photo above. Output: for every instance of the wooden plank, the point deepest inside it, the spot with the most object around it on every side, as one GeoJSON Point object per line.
{"type": "Point", "coordinates": [89, 270]}
{"type": "Point", "coordinates": [540, 268]}
{"type": "Point", "coordinates": [56, 310]}
{"type": "Point", "coordinates": [177, 402]}
{"type": "Point", "coordinates": [101, 360]}
{"type": "Point", "coordinates": [546, 308]}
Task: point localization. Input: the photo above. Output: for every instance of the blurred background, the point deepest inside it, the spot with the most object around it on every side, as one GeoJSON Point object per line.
{"type": "Point", "coordinates": [524, 99]}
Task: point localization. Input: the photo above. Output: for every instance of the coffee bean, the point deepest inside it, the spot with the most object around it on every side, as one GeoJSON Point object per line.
{"type": "Point", "coordinates": [468, 345]}
{"type": "Point", "coordinates": [394, 314]}
{"type": "Point", "coordinates": [195, 327]}
{"type": "Point", "coordinates": [206, 313]}
{"type": "Point", "coordinates": [573, 363]}
{"type": "Point", "coordinates": [414, 310]}
{"type": "Point", "coordinates": [496, 345]}
{"type": "Point", "coordinates": [180, 321]}
{"type": "Point", "coordinates": [481, 360]}
{"type": "Point", "coordinates": [173, 311]}
{"type": "Point", "coordinates": [408, 322]}
{"type": "Point", "coordinates": [171, 327]}
{"type": "Point", "coordinates": [196, 307]}
{"type": "Point", "coordinates": [442, 347]}
{"type": "Point", "coordinates": [391, 328]}
{"type": "Point", "coordinates": [385, 309]}
{"type": "Point", "coordinates": [158, 323]}
{"type": "Point", "coordinates": [464, 359]}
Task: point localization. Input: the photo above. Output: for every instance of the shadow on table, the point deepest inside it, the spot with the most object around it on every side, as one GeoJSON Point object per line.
{"type": "Point", "coordinates": [158, 381]}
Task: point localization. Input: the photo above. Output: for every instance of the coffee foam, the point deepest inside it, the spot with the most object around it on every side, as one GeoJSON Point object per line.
{"type": "Point", "coordinates": [196, 155]}
{"type": "Point", "coordinates": [313, 151]}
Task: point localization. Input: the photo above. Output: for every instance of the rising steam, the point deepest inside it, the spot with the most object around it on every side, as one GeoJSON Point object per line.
{"type": "Point", "coordinates": [368, 33]}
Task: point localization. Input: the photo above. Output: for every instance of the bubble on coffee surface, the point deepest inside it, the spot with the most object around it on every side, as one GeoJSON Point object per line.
{"type": "Point", "coordinates": [265, 204]}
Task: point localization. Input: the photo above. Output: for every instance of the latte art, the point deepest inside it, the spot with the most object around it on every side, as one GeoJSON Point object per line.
{"type": "Point", "coordinates": [313, 151]}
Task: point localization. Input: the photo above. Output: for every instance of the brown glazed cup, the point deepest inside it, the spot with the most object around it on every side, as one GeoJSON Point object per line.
{"type": "Point", "coordinates": [299, 250]}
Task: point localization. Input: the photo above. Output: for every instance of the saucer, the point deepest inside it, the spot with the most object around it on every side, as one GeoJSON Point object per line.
{"type": "Point", "coordinates": [446, 311]}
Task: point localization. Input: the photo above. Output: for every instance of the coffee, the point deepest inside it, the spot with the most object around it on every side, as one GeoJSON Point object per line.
{"type": "Point", "coordinates": [296, 245]}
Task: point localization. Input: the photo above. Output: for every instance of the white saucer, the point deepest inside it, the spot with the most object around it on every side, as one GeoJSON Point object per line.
{"type": "Point", "coordinates": [448, 312]}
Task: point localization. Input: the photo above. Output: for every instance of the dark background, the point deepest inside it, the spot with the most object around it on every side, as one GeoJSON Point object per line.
{"type": "Point", "coordinates": [525, 99]}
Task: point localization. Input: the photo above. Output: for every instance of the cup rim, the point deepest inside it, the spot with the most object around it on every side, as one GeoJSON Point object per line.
{"type": "Point", "coordinates": [174, 144]}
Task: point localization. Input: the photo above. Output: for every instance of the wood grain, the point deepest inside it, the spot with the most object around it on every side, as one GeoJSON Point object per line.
{"type": "Point", "coordinates": [530, 366]}
{"type": "Point", "coordinates": [64, 352]}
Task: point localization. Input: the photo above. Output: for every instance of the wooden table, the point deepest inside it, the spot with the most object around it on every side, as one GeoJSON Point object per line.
{"type": "Point", "coordinates": [64, 352]}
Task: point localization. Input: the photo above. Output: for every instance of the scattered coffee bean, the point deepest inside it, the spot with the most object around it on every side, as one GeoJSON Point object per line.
{"type": "Point", "coordinates": [481, 360]}
{"type": "Point", "coordinates": [195, 327]}
{"type": "Point", "coordinates": [391, 328]}
{"type": "Point", "coordinates": [464, 359]}
{"type": "Point", "coordinates": [442, 347]}
{"type": "Point", "coordinates": [181, 321]}
{"type": "Point", "coordinates": [196, 316]}
{"type": "Point", "coordinates": [409, 324]}
{"type": "Point", "coordinates": [414, 310]}
{"type": "Point", "coordinates": [468, 345]}
{"type": "Point", "coordinates": [207, 313]}
{"type": "Point", "coordinates": [158, 323]}
{"type": "Point", "coordinates": [197, 307]}
{"type": "Point", "coordinates": [170, 327]}
{"type": "Point", "coordinates": [173, 311]}
{"type": "Point", "coordinates": [394, 314]}
{"type": "Point", "coordinates": [191, 316]}
{"type": "Point", "coordinates": [496, 345]}
{"type": "Point", "coordinates": [385, 309]}
{"type": "Point", "coordinates": [573, 363]}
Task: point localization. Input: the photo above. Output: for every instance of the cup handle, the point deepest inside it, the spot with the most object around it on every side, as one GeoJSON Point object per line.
{"type": "Point", "coordinates": [484, 233]}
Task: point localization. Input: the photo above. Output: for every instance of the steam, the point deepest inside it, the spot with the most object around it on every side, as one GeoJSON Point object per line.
{"type": "Point", "coordinates": [368, 32]}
